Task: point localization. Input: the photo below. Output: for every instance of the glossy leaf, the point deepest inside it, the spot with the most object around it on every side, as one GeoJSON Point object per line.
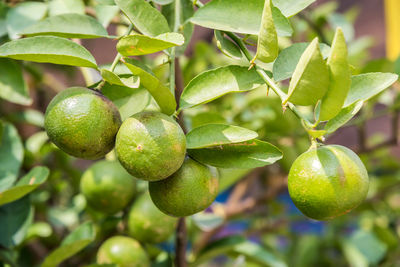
{"type": "Point", "coordinates": [267, 46]}
{"type": "Point", "coordinates": [68, 26]}
{"type": "Point", "coordinates": [123, 80]}
{"type": "Point", "coordinates": [48, 49]}
{"type": "Point", "coordinates": [292, 7]}
{"type": "Point", "coordinates": [310, 79]}
{"type": "Point", "coordinates": [365, 86]}
{"type": "Point", "coordinates": [215, 83]}
{"type": "Point", "coordinates": [226, 46]}
{"type": "Point", "coordinates": [137, 44]}
{"type": "Point", "coordinates": [217, 134]}
{"type": "Point", "coordinates": [12, 84]}
{"type": "Point", "coordinates": [286, 62]}
{"type": "Point", "coordinates": [343, 117]}
{"type": "Point", "coordinates": [80, 238]}
{"type": "Point", "coordinates": [128, 100]}
{"type": "Point", "coordinates": [258, 254]}
{"type": "Point", "coordinates": [58, 7]}
{"type": "Point", "coordinates": [15, 218]}
{"type": "Point", "coordinates": [340, 81]}
{"type": "Point", "coordinates": [163, 96]}
{"type": "Point", "coordinates": [25, 185]}
{"type": "Point", "coordinates": [249, 154]}
{"type": "Point", "coordinates": [11, 156]}
{"type": "Point", "coordinates": [146, 18]}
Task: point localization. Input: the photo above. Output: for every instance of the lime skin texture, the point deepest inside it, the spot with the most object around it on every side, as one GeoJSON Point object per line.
{"type": "Point", "coordinates": [191, 189]}
{"type": "Point", "coordinates": [147, 224]}
{"type": "Point", "coordinates": [150, 145]}
{"type": "Point", "coordinates": [327, 182]}
{"type": "Point", "coordinates": [122, 251]}
{"type": "Point", "coordinates": [82, 122]}
{"type": "Point", "coordinates": [107, 186]}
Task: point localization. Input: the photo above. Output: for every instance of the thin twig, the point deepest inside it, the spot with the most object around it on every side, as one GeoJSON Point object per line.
{"type": "Point", "coordinates": [314, 26]}
{"type": "Point", "coordinates": [180, 250]}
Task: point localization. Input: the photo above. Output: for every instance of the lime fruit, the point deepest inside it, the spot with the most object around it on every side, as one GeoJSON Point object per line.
{"type": "Point", "coordinates": [327, 182]}
{"type": "Point", "coordinates": [150, 145]}
{"type": "Point", "coordinates": [107, 186]}
{"type": "Point", "coordinates": [191, 189]}
{"type": "Point", "coordinates": [122, 251]}
{"type": "Point", "coordinates": [82, 122]}
{"type": "Point", "coordinates": [147, 223]}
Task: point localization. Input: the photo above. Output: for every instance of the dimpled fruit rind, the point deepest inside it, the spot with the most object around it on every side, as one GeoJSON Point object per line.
{"type": "Point", "coordinates": [146, 223]}
{"type": "Point", "coordinates": [191, 189]}
{"type": "Point", "coordinates": [327, 182]}
{"type": "Point", "coordinates": [82, 122]}
{"type": "Point", "coordinates": [107, 186]}
{"type": "Point", "coordinates": [150, 145]}
{"type": "Point", "coordinates": [122, 251]}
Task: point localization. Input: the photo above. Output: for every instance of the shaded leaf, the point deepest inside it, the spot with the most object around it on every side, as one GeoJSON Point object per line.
{"type": "Point", "coordinates": [12, 84]}
{"type": "Point", "coordinates": [215, 83]}
{"type": "Point", "coordinates": [282, 24]}
{"type": "Point", "coordinates": [25, 185]}
{"type": "Point", "coordinates": [292, 7]}
{"type": "Point", "coordinates": [245, 155]}
{"type": "Point", "coordinates": [3, 14]}
{"type": "Point", "coordinates": [343, 117]}
{"type": "Point", "coordinates": [229, 177]}
{"type": "Point", "coordinates": [48, 49]}
{"type": "Point", "coordinates": [369, 246]}
{"type": "Point", "coordinates": [68, 26]}
{"type": "Point", "coordinates": [207, 221]}
{"type": "Point", "coordinates": [30, 116]}
{"type": "Point", "coordinates": [163, 2]}
{"type": "Point", "coordinates": [146, 18]}
{"type": "Point", "coordinates": [258, 254]}
{"type": "Point", "coordinates": [137, 44]}
{"type": "Point", "coordinates": [217, 134]}
{"type": "Point", "coordinates": [123, 80]}
{"type": "Point", "coordinates": [226, 46]}
{"type": "Point", "coordinates": [58, 7]}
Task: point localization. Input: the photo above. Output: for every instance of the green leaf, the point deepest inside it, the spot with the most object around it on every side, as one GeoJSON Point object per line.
{"type": "Point", "coordinates": [105, 13]}
{"type": "Point", "coordinates": [228, 177]}
{"type": "Point", "coordinates": [245, 155]}
{"type": "Point", "coordinates": [267, 46]}
{"type": "Point", "coordinates": [258, 254]}
{"type": "Point", "coordinates": [212, 84]}
{"type": "Point", "coordinates": [247, 15]}
{"type": "Point", "coordinates": [146, 18]}
{"type": "Point", "coordinates": [24, 15]}
{"type": "Point", "coordinates": [68, 26]}
{"type": "Point", "coordinates": [310, 79]}
{"type": "Point", "coordinates": [11, 156]}
{"type": "Point", "coordinates": [36, 141]}
{"type": "Point", "coordinates": [369, 246]}
{"type": "Point", "coordinates": [368, 85]}
{"type": "Point", "coordinates": [25, 185]}
{"type": "Point", "coordinates": [80, 238]}
{"type": "Point", "coordinates": [58, 7]}
{"type": "Point", "coordinates": [343, 117]}
{"type": "Point", "coordinates": [128, 100]}
{"type": "Point", "coordinates": [30, 116]}
{"type": "Point", "coordinates": [163, 2]}
{"type": "Point", "coordinates": [137, 44]}
{"type": "Point", "coordinates": [286, 62]}
{"type": "Point", "coordinates": [12, 84]}
{"type": "Point", "coordinates": [292, 7]}
{"type": "Point", "coordinates": [123, 80]}
{"type": "Point", "coordinates": [3, 14]}
{"type": "Point", "coordinates": [15, 218]}
{"type": "Point", "coordinates": [282, 24]}
{"type": "Point", "coordinates": [217, 134]}
{"type": "Point", "coordinates": [163, 96]}
{"type": "Point", "coordinates": [207, 221]}
{"type": "Point", "coordinates": [226, 46]}
{"type": "Point", "coordinates": [48, 49]}
{"type": "Point", "coordinates": [340, 81]}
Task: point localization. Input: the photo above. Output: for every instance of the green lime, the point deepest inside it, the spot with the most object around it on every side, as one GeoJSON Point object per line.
{"type": "Point", "coordinates": [327, 182]}
{"type": "Point", "coordinates": [107, 186]}
{"type": "Point", "coordinates": [147, 223]}
{"type": "Point", "coordinates": [122, 251]}
{"type": "Point", "coordinates": [150, 145]}
{"type": "Point", "coordinates": [191, 189]}
{"type": "Point", "coordinates": [82, 122]}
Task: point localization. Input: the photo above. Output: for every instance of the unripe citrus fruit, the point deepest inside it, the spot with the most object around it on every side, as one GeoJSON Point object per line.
{"type": "Point", "coordinates": [82, 122]}
{"type": "Point", "coordinates": [107, 186]}
{"type": "Point", "coordinates": [327, 182]}
{"type": "Point", "coordinates": [191, 189]}
{"type": "Point", "coordinates": [147, 223]}
{"type": "Point", "coordinates": [122, 251]}
{"type": "Point", "coordinates": [150, 145]}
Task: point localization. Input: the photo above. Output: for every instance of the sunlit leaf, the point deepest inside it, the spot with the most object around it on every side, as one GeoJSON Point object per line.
{"type": "Point", "coordinates": [58, 7]}
{"type": "Point", "coordinates": [343, 117]}
{"type": "Point", "coordinates": [226, 46]}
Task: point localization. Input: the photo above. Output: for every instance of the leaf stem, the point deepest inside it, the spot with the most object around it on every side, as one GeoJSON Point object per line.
{"type": "Point", "coordinates": [119, 56]}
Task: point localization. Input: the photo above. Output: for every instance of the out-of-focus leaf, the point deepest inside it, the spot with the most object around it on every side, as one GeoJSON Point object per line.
{"type": "Point", "coordinates": [343, 117]}
{"type": "Point", "coordinates": [229, 177]}
{"type": "Point", "coordinates": [163, 2]}
{"type": "Point", "coordinates": [25, 185]}
{"type": "Point", "coordinates": [207, 221]}
{"type": "Point", "coordinates": [146, 18]}
{"type": "Point", "coordinates": [258, 254]}
{"type": "Point", "coordinates": [217, 134]}
{"type": "Point", "coordinates": [3, 14]}
{"type": "Point", "coordinates": [212, 84]}
{"type": "Point", "coordinates": [58, 7]}
{"type": "Point", "coordinates": [80, 238]}
{"type": "Point", "coordinates": [105, 14]}
{"type": "Point", "coordinates": [11, 155]}
{"type": "Point", "coordinates": [30, 116]}
{"type": "Point", "coordinates": [49, 49]}
{"type": "Point", "coordinates": [226, 46]}
{"type": "Point", "coordinates": [39, 229]}
{"type": "Point", "coordinates": [68, 26]}
{"type": "Point", "coordinates": [292, 7]}
{"type": "Point", "coordinates": [12, 84]}
{"type": "Point", "coordinates": [338, 20]}
{"type": "Point", "coordinates": [244, 155]}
